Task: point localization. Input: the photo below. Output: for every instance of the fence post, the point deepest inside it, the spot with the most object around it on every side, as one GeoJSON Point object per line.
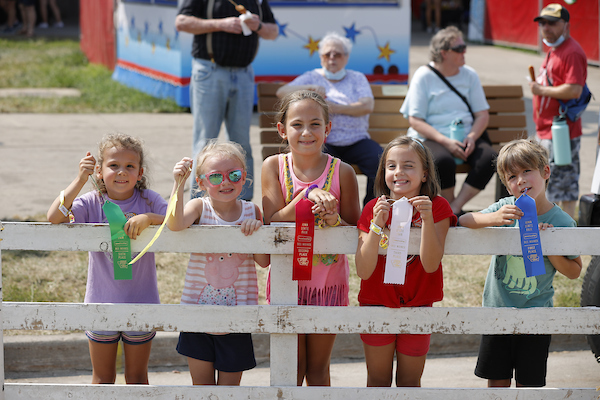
{"type": "Point", "coordinates": [284, 346]}
{"type": "Point", "coordinates": [1, 324]}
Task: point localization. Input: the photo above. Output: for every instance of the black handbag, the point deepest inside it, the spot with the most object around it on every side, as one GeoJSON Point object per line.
{"type": "Point", "coordinates": [484, 135]}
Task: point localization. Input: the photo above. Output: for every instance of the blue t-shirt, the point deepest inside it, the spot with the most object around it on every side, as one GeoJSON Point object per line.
{"type": "Point", "coordinates": [506, 284]}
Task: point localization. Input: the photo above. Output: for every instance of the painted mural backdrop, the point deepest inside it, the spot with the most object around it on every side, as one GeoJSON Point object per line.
{"type": "Point", "coordinates": [153, 57]}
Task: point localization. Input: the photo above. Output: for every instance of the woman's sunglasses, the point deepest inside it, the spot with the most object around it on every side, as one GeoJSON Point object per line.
{"type": "Point", "coordinates": [461, 48]}
{"type": "Point", "coordinates": [216, 178]}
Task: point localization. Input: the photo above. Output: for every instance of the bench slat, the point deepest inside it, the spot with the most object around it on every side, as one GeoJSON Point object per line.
{"type": "Point", "coordinates": [506, 105]}
{"type": "Point", "coordinates": [492, 91]}
{"type": "Point", "coordinates": [507, 121]}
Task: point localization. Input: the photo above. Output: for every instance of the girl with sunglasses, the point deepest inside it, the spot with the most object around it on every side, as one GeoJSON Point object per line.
{"type": "Point", "coordinates": [218, 279]}
{"type": "Point", "coordinates": [307, 172]}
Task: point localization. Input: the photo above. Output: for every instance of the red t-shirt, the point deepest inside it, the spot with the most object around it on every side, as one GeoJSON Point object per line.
{"type": "Point", "coordinates": [420, 288]}
{"type": "Point", "coordinates": [566, 63]}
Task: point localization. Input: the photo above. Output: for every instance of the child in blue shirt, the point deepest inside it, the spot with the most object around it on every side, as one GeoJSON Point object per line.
{"type": "Point", "coordinates": [522, 165]}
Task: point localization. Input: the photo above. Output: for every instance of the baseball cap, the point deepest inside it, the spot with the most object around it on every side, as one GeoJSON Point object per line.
{"type": "Point", "coordinates": [553, 12]}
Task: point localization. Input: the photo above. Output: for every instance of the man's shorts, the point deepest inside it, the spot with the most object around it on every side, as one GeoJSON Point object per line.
{"type": "Point", "coordinates": [407, 344]}
{"type": "Point", "coordinates": [563, 184]}
{"type": "Point", "coordinates": [527, 355]}
{"type": "Point", "coordinates": [233, 352]}
{"type": "Point", "coordinates": [109, 337]}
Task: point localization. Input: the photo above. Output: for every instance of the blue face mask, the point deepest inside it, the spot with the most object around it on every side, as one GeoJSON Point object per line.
{"type": "Point", "coordinates": [558, 42]}
{"type": "Point", "coordinates": [334, 76]}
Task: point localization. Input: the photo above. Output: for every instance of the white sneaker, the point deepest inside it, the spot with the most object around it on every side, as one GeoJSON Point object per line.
{"type": "Point", "coordinates": [59, 25]}
{"type": "Point", "coordinates": [43, 25]}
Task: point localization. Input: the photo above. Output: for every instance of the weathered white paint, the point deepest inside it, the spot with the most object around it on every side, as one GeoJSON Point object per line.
{"type": "Point", "coordinates": [283, 319]}
{"type": "Point", "coordinates": [279, 239]}
{"type": "Point", "coordinates": [107, 392]}
{"type": "Point", "coordinates": [284, 362]}
{"type": "Point", "coordinates": [300, 319]}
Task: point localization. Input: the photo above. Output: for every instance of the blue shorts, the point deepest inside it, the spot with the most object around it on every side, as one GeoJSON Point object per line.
{"type": "Point", "coordinates": [233, 352]}
{"type": "Point", "coordinates": [526, 355]}
{"type": "Point", "coordinates": [109, 337]}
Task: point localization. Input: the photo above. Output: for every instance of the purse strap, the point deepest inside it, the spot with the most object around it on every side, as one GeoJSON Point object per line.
{"type": "Point", "coordinates": [443, 78]}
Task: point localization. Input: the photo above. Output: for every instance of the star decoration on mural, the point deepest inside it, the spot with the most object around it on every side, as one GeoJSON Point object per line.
{"type": "Point", "coordinates": [385, 51]}
{"type": "Point", "coordinates": [312, 45]}
{"type": "Point", "coordinates": [281, 28]}
{"type": "Point", "coordinates": [160, 27]}
{"type": "Point", "coordinates": [351, 32]}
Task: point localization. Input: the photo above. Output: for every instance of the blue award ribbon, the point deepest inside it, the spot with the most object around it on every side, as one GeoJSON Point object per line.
{"type": "Point", "coordinates": [530, 237]}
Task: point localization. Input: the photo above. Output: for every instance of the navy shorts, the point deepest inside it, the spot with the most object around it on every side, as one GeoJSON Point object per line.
{"type": "Point", "coordinates": [233, 352]}
{"type": "Point", "coordinates": [527, 355]}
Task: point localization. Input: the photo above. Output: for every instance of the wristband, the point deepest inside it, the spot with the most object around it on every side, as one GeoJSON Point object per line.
{"type": "Point", "coordinates": [259, 27]}
{"type": "Point", "coordinates": [311, 187]}
{"type": "Point", "coordinates": [383, 242]}
{"type": "Point", "coordinates": [338, 222]}
{"type": "Point", "coordinates": [64, 210]}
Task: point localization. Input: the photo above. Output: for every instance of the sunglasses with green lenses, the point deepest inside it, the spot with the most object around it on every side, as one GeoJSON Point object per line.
{"type": "Point", "coordinates": [216, 178]}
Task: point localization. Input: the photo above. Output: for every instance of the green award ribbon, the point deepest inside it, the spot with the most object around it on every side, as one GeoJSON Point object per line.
{"type": "Point", "coordinates": [121, 244]}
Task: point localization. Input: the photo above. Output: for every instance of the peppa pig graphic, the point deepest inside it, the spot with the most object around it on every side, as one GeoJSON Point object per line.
{"type": "Point", "coordinates": [221, 272]}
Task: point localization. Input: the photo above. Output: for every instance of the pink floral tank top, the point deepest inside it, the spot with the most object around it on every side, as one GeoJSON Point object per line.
{"type": "Point", "coordinates": [329, 283]}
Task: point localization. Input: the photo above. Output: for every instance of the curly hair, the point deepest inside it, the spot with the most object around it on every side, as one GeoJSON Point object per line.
{"type": "Point", "coordinates": [125, 142]}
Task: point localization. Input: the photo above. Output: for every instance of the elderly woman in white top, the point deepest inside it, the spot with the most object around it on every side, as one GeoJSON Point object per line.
{"type": "Point", "coordinates": [431, 107]}
{"type": "Point", "coordinates": [350, 100]}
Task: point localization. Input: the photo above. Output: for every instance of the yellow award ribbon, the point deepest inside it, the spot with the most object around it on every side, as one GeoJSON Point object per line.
{"type": "Point", "coordinates": [170, 211]}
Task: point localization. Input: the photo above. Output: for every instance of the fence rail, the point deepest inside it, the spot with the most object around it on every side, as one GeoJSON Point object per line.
{"type": "Point", "coordinates": [284, 319]}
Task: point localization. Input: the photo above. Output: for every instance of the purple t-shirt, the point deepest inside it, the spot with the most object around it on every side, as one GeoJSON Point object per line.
{"type": "Point", "coordinates": [101, 286]}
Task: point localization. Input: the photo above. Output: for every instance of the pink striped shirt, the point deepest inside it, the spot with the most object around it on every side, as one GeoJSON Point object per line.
{"type": "Point", "coordinates": [221, 278]}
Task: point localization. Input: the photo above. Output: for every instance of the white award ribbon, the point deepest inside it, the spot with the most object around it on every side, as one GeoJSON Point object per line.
{"type": "Point", "coordinates": [397, 253]}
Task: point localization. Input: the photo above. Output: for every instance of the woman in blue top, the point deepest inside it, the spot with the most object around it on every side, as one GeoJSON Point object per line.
{"type": "Point", "coordinates": [431, 106]}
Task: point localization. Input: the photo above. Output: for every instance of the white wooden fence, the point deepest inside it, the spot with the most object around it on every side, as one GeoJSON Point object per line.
{"type": "Point", "coordinates": [283, 320]}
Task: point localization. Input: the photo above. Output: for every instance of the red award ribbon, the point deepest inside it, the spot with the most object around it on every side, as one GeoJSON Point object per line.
{"type": "Point", "coordinates": [304, 241]}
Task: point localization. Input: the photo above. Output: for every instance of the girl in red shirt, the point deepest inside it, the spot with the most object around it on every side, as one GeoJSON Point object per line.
{"type": "Point", "coordinates": [406, 169]}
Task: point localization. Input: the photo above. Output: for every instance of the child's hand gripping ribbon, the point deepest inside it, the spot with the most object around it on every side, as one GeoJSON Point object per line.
{"type": "Point", "coordinates": [170, 211]}
{"type": "Point", "coordinates": [304, 241]}
{"type": "Point", "coordinates": [397, 254]}
{"type": "Point", "coordinates": [121, 244]}
{"type": "Point", "coordinates": [531, 246]}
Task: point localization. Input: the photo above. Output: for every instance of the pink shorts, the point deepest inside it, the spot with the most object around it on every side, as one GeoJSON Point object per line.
{"type": "Point", "coordinates": [407, 344]}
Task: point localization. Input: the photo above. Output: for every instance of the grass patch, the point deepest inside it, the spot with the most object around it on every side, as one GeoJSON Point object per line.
{"type": "Point", "coordinates": [43, 63]}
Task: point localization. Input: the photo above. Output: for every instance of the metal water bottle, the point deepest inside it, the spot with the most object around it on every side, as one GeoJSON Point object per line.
{"type": "Point", "coordinates": [457, 132]}
{"type": "Point", "coordinates": [561, 141]}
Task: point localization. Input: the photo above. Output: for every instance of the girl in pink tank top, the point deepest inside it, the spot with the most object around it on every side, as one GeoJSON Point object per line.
{"type": "Point", "coordinates": [306, 171]}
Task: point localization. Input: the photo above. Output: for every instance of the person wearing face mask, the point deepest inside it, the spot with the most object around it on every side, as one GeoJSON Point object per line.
{"type": "Point", "coordinates": [562, 76]}
{"type": "Point", "coordinates": [350, 99]}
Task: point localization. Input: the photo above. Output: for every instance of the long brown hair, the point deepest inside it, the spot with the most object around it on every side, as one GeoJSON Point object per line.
{"type": "Point", "coordinates": [430, 187]}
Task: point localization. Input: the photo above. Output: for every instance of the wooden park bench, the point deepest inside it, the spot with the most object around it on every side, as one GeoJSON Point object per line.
{"type": "Point", "coordinates": [507, 118]}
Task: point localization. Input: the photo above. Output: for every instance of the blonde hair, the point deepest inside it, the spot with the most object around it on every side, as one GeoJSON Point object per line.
{"type": "Point", "coordinates": [225, 149]}
{"type": "Point", "coordinates": [430, 187]}
{"type": "Point", "coordinates": [521, 154]}
{"type": "Point", "coordinates": [124, 142]}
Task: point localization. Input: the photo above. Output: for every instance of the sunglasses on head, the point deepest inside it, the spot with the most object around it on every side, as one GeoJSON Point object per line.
{"type": "Point", "coordinates": [216, 178]}
{"type": "Point", "coordinates": [461, 48]}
